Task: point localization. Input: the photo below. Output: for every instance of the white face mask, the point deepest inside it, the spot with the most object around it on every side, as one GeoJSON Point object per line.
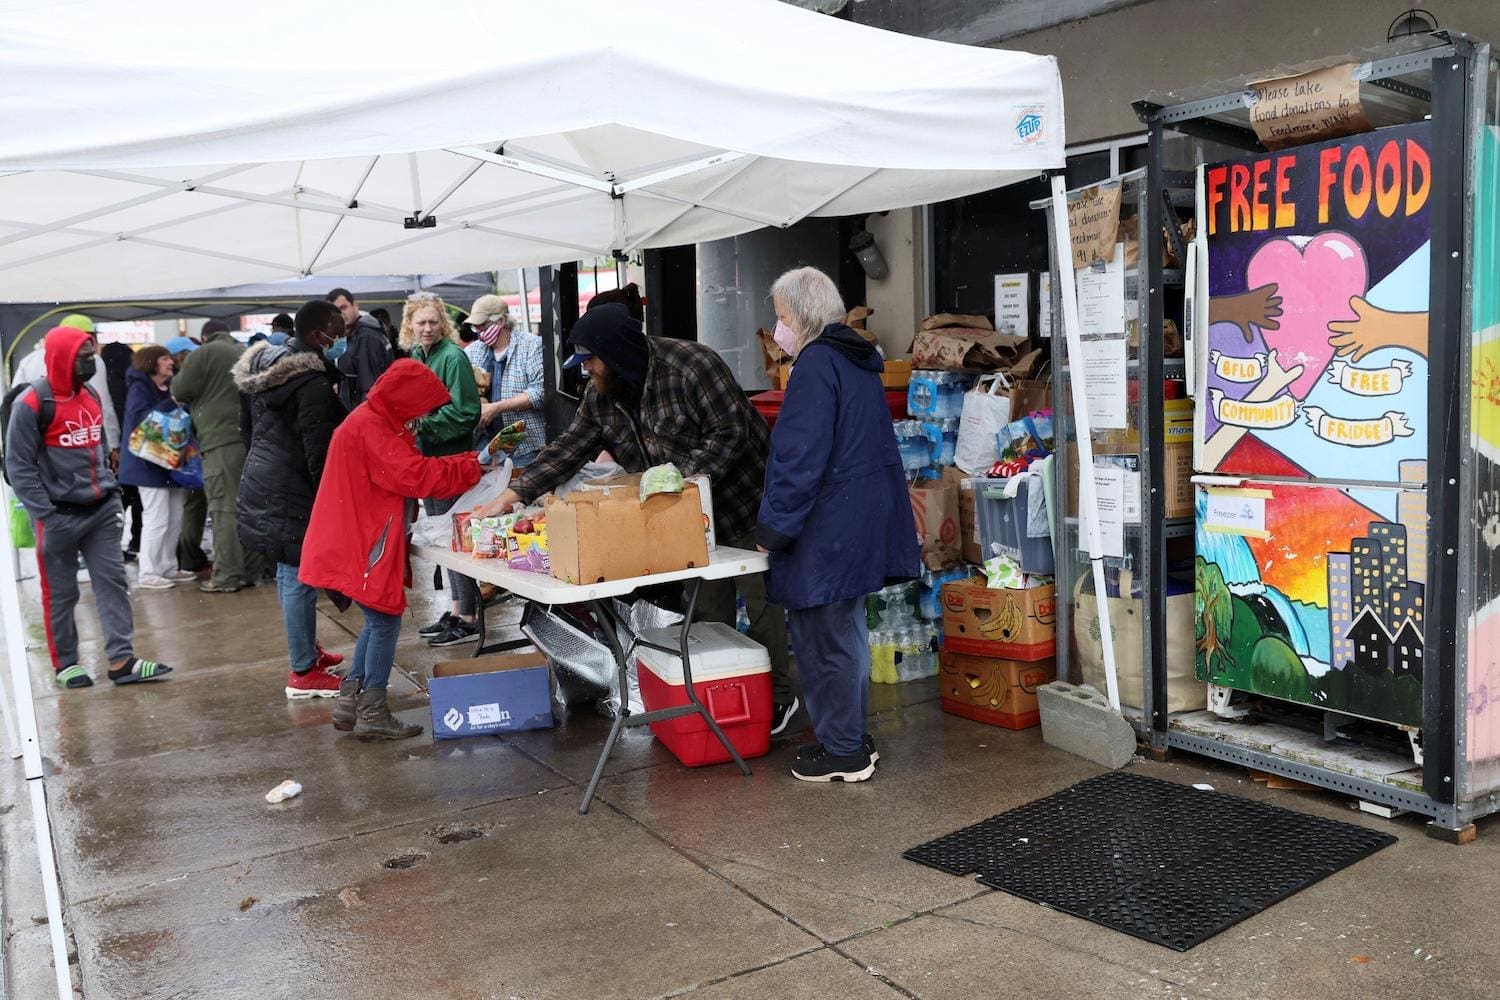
{"type": "Point", "coordinates": [786, 338]}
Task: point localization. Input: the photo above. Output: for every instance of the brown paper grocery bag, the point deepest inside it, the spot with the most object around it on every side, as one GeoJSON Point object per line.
{"type": "Point", "coordinates": [934, 507]}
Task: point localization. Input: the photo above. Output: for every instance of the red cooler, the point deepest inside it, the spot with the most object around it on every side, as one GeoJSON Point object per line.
{"type": "Point", "coordinates": [731, 677]}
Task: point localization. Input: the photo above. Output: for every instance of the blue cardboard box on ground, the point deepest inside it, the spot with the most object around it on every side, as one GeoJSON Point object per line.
{"type": "Point", "coordinates": [487, 695]}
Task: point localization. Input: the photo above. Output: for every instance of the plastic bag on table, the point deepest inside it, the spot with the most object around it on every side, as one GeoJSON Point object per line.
{"type": "Point", "coordinates": [437, 529]}
{"type": "Point", "coordinates": [594, 470]}
{"type": "Point", "coordinates": [639, 616]}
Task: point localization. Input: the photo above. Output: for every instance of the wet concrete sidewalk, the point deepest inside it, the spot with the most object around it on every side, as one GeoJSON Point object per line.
{"type": "Point", "coordinates": [463, 870]}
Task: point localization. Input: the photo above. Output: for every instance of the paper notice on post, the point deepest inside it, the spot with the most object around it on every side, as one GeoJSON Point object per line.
{"type": "Point", "coordinates": [1093, 218]}
{"type": "Point", "coordinates": [1105, 382]}
{"type": "Point", "coordinates": [1109, 491]}
{"type": "Point", "coordinates": [1044, 304]}
{"type": "Point", "coordinates": [1101, 296]}
{"type": "Point", "coordinates": [1132, 511]}
{"type": "Point", "coordinates": [1013, 304]}
{"type": "Point", "coordinates": [1323, 104]}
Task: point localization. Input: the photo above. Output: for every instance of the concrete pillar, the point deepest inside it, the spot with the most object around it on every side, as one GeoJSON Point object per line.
{"type": "Point", "coordinates": [897, 300]}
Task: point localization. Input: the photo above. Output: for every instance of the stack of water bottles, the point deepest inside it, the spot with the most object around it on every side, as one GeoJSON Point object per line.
{"type": "Point", "coordinates": [903, 646]}
{"type": "Point", "coordinates": [935, 401]}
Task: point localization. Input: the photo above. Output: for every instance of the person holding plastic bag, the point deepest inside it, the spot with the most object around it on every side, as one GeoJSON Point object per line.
{"type": "Point", "coordinates": [356, 541]}
{"type": "Point", "coordinates": [288, 413]}
{"type": "Point", "coordinates": [146, 392]}
{"type": "Point", "coordinates": [834, 516]}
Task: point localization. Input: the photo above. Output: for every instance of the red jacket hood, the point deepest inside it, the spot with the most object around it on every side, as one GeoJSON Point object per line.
{"type": "Point", "coordinates": [407, 390]}
{"type": "Point", "coordinates": [60, 351]}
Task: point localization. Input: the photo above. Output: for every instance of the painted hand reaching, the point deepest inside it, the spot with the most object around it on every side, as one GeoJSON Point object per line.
{"type": "Point", "coordinates": [1374, 328]}
{"type": "Point", "coordinates": [1258, 307]}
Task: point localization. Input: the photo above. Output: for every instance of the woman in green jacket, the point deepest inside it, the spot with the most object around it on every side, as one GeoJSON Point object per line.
{"type": "Point", "coordinates": [427, 333]}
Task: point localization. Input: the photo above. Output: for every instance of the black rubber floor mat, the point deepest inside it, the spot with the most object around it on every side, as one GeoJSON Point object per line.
{"type": "Point", "coordinates": [1167, 863]}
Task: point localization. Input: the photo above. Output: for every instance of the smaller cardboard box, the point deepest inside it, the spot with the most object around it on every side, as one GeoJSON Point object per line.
{"type": "Point", "coordinates": [604, 532]}
{"type": "Point", "coordinates": [1012, 624]}
{"type": "Point", "coordinates": [968, 522]}
{"type": "Point", "coordinates": [994, 691]}
{"type": "Point", "coordinates": [484, 695]}
{"type": "Point", "coordinates": [897, 374]}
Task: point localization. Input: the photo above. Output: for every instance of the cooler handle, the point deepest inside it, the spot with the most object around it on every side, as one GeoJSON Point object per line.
{"type": "Point", "coordinates": [743, 712]}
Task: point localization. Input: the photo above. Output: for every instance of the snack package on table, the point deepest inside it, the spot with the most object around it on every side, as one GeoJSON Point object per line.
{"type": "Point", "coordinates": [463, 540]}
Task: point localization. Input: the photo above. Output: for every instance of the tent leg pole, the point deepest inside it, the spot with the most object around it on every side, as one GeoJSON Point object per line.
{"type": "Point", "coordinates": [20, 681]}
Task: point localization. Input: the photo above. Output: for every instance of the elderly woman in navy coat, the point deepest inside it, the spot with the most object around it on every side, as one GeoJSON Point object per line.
{"type": "Point", "coordinates": [835, 517]}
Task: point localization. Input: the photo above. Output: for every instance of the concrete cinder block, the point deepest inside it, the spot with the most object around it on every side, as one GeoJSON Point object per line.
{"type": "Point", "coordinates": [1080, 721]}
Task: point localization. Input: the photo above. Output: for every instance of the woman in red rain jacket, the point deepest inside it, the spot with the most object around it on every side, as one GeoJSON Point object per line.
{"type": "Point", "coordinates": [356, 539]}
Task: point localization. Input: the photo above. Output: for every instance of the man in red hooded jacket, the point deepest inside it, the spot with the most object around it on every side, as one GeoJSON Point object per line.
{"type": "Point", "coordinates": [356, 539]}
{"type": "Point", "coordinates": [59, 469]}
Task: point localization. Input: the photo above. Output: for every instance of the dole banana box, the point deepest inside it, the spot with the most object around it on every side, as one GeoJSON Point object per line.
{"type": "Point", "coordinates": [1011, 624]}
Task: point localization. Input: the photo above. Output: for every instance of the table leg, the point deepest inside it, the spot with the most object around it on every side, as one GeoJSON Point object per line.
{"type": "Point", "coordinates": [687, 680]}
{"type": "Point", "coordinates": [606, 618]}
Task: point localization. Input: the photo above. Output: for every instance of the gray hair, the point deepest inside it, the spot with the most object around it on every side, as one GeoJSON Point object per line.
{"type": "Point", "coordinates": [812, 299]}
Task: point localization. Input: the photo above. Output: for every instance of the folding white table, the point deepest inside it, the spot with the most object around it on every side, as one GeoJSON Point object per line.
{"type": "Point", "coordinates": [723, 563]}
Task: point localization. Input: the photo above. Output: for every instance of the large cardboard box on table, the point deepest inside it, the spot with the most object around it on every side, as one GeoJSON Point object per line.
{"type": "Point", "coordinates": [484, 695]}
{"type": "Point", "coordinates": [1012, 624]}
{"type": "Point", "coordinates": [604, 532]}
{"type": "Point", "coordinates": [994, 691]}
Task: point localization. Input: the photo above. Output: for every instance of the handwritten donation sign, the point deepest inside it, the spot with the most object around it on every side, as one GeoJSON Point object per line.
{"type": "Point", "coordinates": [1323, 104]}
{"type": "Point", "coordinates": [1093, 219]}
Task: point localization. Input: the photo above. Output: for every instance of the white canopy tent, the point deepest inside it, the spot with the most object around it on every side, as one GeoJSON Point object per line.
{"type": "Point", "coordinates": [177, 145]}
{"type": "Point", "coordinates": [215, 144]}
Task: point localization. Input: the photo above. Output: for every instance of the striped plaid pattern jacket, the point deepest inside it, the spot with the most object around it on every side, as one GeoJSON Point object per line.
{"type": "Point", "coordinates": [692, 414]}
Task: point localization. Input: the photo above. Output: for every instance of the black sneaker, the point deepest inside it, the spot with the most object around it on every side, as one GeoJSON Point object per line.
{"type": "Point", "coordinates": [820, 765]}
{"type": "Point", "coordinates": [441, 625]}
{"type": "Point", "coordinates": [815, 748]}
{"type": "Point", "coordinates": [781, 715]}
{"type": "Point", "coordinates": [457, 632]}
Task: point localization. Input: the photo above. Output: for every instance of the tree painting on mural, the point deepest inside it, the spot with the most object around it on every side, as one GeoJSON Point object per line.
{"type": "Point", "coordinates": [1316, 370]}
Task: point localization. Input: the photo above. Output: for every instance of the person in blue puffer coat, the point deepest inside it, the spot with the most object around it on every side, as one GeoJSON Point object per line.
{"type": "Point", "coordinates": [834, 517]}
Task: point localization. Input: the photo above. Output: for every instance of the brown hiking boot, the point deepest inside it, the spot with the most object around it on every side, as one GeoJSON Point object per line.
{"type": "Point", "coordinates": [374, 717]}
{"type": "Point", "coordinates": [343, 706]}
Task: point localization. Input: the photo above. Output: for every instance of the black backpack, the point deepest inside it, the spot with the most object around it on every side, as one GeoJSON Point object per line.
{"type": "Point", "coordinates": [45, 411]}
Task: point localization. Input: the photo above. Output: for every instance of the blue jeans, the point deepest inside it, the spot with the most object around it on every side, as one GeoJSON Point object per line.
{"type": "Point", "coordinates": [375, 649]}
{"type": "Point", "coordinates": [299, 611]}
{"type": "Point", "coordinates": [833, 658]}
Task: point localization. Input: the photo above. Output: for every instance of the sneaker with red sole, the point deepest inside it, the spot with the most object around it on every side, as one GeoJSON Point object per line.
{"type": "Point", "coordinates": [326, 659]}
{"type": "Point", "coordinates": [316, 683]}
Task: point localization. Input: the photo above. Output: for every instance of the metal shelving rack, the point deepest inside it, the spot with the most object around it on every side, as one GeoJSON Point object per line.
{"type": "Point", "coordinates": [1145, 539]}
{"type": "Point", "coordinates": [1452, 79]}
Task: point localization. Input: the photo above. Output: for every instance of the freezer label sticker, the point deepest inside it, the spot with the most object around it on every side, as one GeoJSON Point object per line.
{"type": "Point", "coordinates": [1358, 433]}
{"type": "Point", "coordinates": [1246, 413]}
{"type": "Point", "coordinates": [1369, 381]}
{"type": "Point", "coordinates": [1242, 370]}
{"type": "Point", "coordinates": [1234, 513]}
{"type": "Point", "coordinates": [488, 715]}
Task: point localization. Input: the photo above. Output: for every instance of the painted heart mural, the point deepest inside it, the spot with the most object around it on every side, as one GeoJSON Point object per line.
{"type": "Point", "coordinates": [1315, 281]}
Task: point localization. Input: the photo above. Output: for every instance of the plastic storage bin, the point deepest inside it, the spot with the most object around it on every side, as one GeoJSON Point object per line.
{"type": "Point", "coordinates": [731, 677]}
{"type": "Point", "coordinates": [1003, 522]}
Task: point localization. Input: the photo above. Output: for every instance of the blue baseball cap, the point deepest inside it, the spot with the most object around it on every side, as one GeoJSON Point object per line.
{"type": "Point", "coordinates": [579, 356]}
{"type": "Point", "coordinates": [179, 344]}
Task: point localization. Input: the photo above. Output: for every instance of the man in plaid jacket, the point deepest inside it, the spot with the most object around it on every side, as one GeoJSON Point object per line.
{"type": "Point", "coordinates": [651, 400]}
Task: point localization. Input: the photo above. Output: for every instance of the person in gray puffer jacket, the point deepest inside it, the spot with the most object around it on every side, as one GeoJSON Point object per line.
{"type": "Point", "coordinates": [288, 413]}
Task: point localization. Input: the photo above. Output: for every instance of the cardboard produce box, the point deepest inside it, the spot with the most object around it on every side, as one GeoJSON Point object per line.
{"type": "Point", "coordinates": [503, 693]}
{"type": "Point", "coordinates": [994, 691]}
{"type": "Point", "coordinates": [603, 532]}
{"type": "Point", "coordinates": [968, 522]}
{"type": "Point", "coordinates": [1013, 624]}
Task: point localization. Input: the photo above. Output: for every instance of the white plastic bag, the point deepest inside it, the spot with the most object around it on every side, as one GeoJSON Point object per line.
{"type": "Point", "coordinates": [437, 529]}
{"type": "Point", "coordinates": [986, 412]}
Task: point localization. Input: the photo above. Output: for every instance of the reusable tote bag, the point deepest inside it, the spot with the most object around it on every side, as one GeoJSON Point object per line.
{"type": "Point", "coordinates": [986, 412]}
{"type": "Point", "coordinates": [1185, 693]}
